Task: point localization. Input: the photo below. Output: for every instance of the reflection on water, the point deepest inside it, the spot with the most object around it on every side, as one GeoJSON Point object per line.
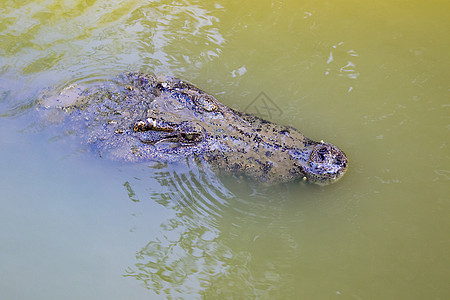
{"type": "Point", "coordinates": [192, 24]}
{"type": "Point", "coordinates": [342, 62]}
{"type": "Point", "coordinates": [203, 250]}
{"type": "Point", "coordinates": [125, 35]}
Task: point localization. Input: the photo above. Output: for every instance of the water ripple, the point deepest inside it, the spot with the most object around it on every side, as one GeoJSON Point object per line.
{"type": "Point", "coordinates": [90, 38]}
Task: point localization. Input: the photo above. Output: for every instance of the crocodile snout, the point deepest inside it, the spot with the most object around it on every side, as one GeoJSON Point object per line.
{"type": "Point", "coordinates": [327, 163]}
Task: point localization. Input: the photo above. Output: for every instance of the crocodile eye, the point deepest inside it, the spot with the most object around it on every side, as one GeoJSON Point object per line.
{"type": "Point", "coordinates": [190, 136]}
{"type": "Point", "coordinates": [206, 102]}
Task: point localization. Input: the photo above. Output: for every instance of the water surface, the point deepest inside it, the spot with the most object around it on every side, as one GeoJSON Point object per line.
{"type": "Point", "coordinates": [370, 77]}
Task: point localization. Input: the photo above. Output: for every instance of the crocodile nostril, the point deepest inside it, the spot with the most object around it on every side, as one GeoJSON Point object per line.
{"type": "Point", "coordinates": [321, 153]}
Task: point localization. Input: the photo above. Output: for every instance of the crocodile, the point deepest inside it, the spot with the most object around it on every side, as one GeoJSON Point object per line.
{"type": "Point", "coordinates": [142, 117]}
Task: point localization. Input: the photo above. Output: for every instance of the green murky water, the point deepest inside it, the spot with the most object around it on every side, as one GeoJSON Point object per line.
{"type": "Point", "coordinates": [370, 77]}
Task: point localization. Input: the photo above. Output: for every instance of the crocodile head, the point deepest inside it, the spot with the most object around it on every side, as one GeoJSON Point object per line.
{"type": "Point", "coordinates": [139, 117]}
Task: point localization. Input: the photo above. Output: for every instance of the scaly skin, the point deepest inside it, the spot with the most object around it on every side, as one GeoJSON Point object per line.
{"type": "Point", "coordinates": [139, 117]}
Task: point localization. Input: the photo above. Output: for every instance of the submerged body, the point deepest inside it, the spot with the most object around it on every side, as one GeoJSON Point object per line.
{"type": "Point", "coordinates": [140, 117]}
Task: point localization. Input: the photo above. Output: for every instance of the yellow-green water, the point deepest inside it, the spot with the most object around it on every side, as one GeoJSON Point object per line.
{"type": "Point", "coordinates": [370, 77]}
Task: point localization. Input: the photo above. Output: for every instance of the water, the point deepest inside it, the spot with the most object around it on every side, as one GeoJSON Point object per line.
{"type": "Point", "coordinates": [370, 77]}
